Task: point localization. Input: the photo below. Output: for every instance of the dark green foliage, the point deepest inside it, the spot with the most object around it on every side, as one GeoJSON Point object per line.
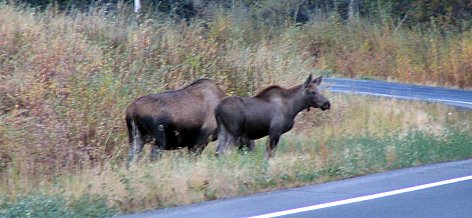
{"type": "Point", "coordinates": [445, 13]}
{"type": "Point", "coordinates": [40, 205]}
{"type": "Point", "coordinates": [89, 205]}
{"type": "Point", "coordinates": [37, 206]}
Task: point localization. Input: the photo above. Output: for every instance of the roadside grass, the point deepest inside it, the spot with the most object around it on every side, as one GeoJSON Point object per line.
{"type": "Point", "coordinates": [56, 205]}
{"type": "Point", "coordinates": [359, 136]}
{"type": "Point", "coordinates": [66, 79]}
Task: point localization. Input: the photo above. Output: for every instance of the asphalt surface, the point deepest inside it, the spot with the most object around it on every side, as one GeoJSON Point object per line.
{"type": "Point", "coordinates": [452, 97]}
{"type": "Point", "coordinates": [454, 200]}
{"type": "Point", "coordinates": [341, 198]}
{"type": "Point", "coordinates": [451, 200]}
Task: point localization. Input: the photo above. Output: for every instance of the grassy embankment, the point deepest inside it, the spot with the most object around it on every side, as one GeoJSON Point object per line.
{"type": "Point", "coordinates": [66, 79]}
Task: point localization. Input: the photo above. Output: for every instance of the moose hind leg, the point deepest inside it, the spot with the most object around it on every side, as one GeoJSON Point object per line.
{"type": "Point", "coordinates": [222, 141]}
{"type": "Point", "coordinates": [225, 141]}
{"type": "Point", "coordinates": [136, 145]}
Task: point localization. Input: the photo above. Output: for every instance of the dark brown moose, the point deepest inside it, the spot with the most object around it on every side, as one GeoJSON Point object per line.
{"type": "Point", "coordinates": [271, 112]}
{"type": "Point", "coordinates": [174, 119]}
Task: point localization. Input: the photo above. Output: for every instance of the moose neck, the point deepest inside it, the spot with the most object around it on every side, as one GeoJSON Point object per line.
{"type": "Point", "coordinates": [295, 101]}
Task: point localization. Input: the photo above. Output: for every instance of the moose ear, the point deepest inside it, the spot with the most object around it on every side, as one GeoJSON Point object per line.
{"type": "Point", "coordinates": [308, 81]}
{"type": "Point", "coordinates": [318, 80]}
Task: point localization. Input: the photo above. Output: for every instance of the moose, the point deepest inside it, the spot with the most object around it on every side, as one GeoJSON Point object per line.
{"type": "Point", "coordinates": [270, 112]}
{"type": "Point", "coordinates": [174, 119]}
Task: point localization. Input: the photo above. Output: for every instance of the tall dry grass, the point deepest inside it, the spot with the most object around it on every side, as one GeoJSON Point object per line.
{"type": "Point", "coordinates": [379, 51]}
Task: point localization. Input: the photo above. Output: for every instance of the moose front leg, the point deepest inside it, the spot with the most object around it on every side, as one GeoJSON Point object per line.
{"type": "Point", "coordinates": [159, 143]}
{"type": "Point", "coordinates": [272, 145]}
{"type": "Point", "coordinates": [201, 142]}
{"type": "Point", "coordinates": [196, 150]}
{"type": "Point", "coordinates": [246, 142]}
{"type": "Point", "coordinates": [250, 145]}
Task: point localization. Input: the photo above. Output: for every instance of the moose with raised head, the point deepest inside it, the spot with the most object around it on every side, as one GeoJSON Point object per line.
{"type": "Point", "coordinates": [174, 119]}
{"type": "Point", "coordinates": [270, 112]}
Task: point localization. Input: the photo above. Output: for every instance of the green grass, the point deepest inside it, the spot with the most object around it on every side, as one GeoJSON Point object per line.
{"type": "Point", "coordinates": [43, 206]}
{"type": "Point", "coordinates": [366, 154]}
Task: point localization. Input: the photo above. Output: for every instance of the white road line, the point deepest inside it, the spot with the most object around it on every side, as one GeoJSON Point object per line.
{"type": "Point", "coordinates": [404, 97]}
{"type": "Point", "coordinates": [363, 198]}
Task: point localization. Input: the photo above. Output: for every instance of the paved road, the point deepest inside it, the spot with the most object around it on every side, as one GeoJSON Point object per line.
{"type": "Point", "coordinates": [439, 190]}
{"type": "Point", "coordinates": [453, 97]}
{"type": "Point", "coordinates": [452, 200]}
{"type": "Point", "coordinates": [393, 194]}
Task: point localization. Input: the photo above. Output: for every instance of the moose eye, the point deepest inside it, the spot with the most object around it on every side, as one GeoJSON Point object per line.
{"type": "Point", "coordinates": [310, 92]}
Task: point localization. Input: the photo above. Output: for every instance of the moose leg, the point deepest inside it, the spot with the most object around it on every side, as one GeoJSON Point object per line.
{"type": "Point", "coordinates": [246, 142]}
{"type": "Point", "coordinates": [135, 149]}
{"type": "Point", "coordinates": [222, 141]}
{"type": "Point", "coordinates": [201, 142]}
{"type": "Point", "coordinates": [136, 142]}
{"type": "Point", "coordinates": [159, 143]}
{"type": "Point", "coordinates": [250, 145]}
{"type": "Point", "coordinates": [196, 150]}
{"type": "Point", "coordinates": [225, 141]}
{"type": "Point", "coordinates": [271, 145]}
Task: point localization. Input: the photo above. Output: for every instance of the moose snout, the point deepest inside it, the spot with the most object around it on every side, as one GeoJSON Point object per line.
{"type": "Point", "coordinates": [325, 106]}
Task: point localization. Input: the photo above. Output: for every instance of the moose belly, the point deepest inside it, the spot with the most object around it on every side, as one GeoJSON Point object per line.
{"type": "Point", "coordinates": [255, 131]}
{"type": "Point", "coordinates": [177, 139]}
